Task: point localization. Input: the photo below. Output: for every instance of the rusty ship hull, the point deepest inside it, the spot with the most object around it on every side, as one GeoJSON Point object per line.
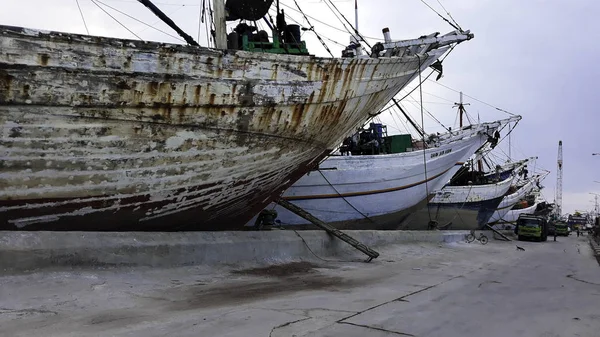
{"type": "Point", "coordinates": [111, 134]}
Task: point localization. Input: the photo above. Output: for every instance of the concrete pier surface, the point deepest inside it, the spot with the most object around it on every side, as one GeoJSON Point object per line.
{"type": "Point", "coordinates": [412, 289]}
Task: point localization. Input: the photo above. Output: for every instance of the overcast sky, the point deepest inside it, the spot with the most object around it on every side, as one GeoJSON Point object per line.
{"type": "Point", "coordinates": [535, 58]}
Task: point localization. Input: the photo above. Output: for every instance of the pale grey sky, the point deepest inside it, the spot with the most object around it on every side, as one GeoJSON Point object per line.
{"type": "Point", "coordinates": [536, 58]}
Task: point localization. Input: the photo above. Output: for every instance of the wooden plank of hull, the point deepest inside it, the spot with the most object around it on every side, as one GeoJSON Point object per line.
{"type": "Point", "coordinates": [104, 133]}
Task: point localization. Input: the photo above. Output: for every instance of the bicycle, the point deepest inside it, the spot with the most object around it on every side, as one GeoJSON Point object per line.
{"type": "Point", "coordinates": [482, 238]}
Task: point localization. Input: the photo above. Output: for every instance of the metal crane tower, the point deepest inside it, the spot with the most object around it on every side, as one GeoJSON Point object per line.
{"type": "Point", "coordinates": [559, 178]}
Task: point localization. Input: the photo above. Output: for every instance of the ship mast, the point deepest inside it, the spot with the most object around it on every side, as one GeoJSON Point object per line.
{"type": "Point", "coordinates": [220, 24]}
{"type": "Point", "coordinates": [461, 109]}
{"type": "Point", "coordinates": [355, 37]}
{"type": "Point", "coordinates": [356, 15]}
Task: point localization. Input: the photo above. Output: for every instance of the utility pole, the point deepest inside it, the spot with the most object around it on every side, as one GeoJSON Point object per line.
{"type": "Point", "coordinates": [595, 203]}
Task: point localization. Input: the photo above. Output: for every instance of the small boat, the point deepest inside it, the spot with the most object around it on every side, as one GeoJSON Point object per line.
{"type": "Point", "coordinates": [103, 133]}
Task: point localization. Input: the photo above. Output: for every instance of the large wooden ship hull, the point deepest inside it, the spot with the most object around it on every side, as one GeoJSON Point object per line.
{"type": "Point", "coordinates": [111, 134]}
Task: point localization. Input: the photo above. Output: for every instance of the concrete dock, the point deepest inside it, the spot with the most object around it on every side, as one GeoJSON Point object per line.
{"type": "Point", "coordinates": [412, 289]}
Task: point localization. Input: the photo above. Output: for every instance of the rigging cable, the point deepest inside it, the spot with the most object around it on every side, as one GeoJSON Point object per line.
{"type": "Point", "coordinates": [200, 10]}
{"type": "Point", "coordinates": [155, 22]}
{"type": "Point", "coordinates": [330, 26]}
{"type": "Point", "coordinates": [119, 22]}
{"type": "Point", "coordinates": [337, 17]}
{"type": "Point", "coordinates": [82, 18]}
{"type": "Point", "coordinates": [424, 147]}
{"type": "Point", "coordinates": [449, 15]}
{"type": "Point", "coordinates": [443, 18]}
{"type": "Point", "coordinates": [343, 198]}
{"type": "Point", "coordinates": [409, 80]}
{"type": "Point", "coordinates": [209, 25]}
{"type": "Point", "coordinates": [432, 116]}
{"type": "Point", "coordinates": [156, 3]}
{"type": "Point", "coordinates": [142, 22]}
{"type": "Point", "coordinates": [313, 29]}
{"type": "Point", "coordinates": [353, 28]}
{"type": "Point", "coordinates": [473, 98]}
{"type": "Point", "coordinates": [431, 73]}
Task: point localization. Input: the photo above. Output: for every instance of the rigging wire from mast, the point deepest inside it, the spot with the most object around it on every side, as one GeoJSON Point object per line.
{"type": "Point", "coordinates": [318, 35]}
{"type": "Point", "coordinates": [353, 28]}
{"type": "Point", "coordinates": [344, 198]}
{"type": "Point", "coordinates": [449, 15]}
{"type": "Point", "coordinates": [159, 21]}
{"type": "Point", "coordinates": [156, 3]}
{"type": "Point", "coordinates": [200, 10]}
{"type": "Point", "coordinates": [424, 147]}
{"type": "Point", "coordinates": [418, 70]}
{"type": "Point", "coordinates": [313, 29]}
{"type": "Point", "coordinates": [82, 18]}
{"type": "Point", "coordinates": [427, 77]}
{"type": "Point", "coordinates": [455, 26]}
{"type": "Point", "coordinates": [142, 22]}
{"type": "Point", "coordinates": [475, 99]}
{"type": "Point", "coordinates": [428, 113]}
{"type": "Point", "coordinates": [329, 25]}
{"type": "Point", "coordinates": [119, 22]}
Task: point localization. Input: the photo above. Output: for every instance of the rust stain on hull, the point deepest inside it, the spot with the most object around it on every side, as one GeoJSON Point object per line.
{"type": "Point", "coordinates": [109, 134]}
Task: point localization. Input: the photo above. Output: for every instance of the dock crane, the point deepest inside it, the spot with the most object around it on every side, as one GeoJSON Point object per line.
{"type": "Point", "coordinates": [559, 179]}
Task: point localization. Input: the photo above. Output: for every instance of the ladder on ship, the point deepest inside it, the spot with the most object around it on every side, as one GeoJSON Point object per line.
{"type": "Point", "coordinates": [329, 229]}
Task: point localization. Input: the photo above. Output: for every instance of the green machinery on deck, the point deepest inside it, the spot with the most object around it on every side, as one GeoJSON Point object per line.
{"type": "Point", "coordinates": [398, 143]}
{"type": "Point", "coordinates": [275, 47]}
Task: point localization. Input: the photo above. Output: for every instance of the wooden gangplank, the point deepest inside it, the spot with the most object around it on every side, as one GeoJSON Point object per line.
{"type": "Point", "coordinates": [506, 238]}
{"type": "Point", "coordinates": [333, 231]}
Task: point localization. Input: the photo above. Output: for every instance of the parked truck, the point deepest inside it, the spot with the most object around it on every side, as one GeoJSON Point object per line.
{"type": "Point", "coordinates": [561, 228]}
{"type": "Point", "coordinates": [531, 227]}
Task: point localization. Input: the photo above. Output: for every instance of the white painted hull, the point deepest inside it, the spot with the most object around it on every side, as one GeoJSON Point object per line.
{"type": "Point", "coordinates": [375, 192]}
{"type": "Point", "coordinates": [511, 200]}
{"type": "Point", "coordinates": [460, 207]}
{"type": "Point", "coordinates": [512, 215]}
{"type": "Point", "coordinates": [109, 134]}
{"type": "Point", "coordinates": [510, 218]}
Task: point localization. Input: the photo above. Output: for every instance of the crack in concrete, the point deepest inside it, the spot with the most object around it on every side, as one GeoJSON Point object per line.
{"type": "Point", "coordinates": [571, 276]}
{"type": "Point", "coordinates": [482, 283]}
{"type": "Point", "coordinates": [378, 329]}
{"type": "Point", "coordinates": [26, 311]}
{"type": "Point", "coordinates": [402, 298]}
{"type": "Point", "coordinates": [306, 311]}
{"type": "Point", "coordinates": [286, 324]}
